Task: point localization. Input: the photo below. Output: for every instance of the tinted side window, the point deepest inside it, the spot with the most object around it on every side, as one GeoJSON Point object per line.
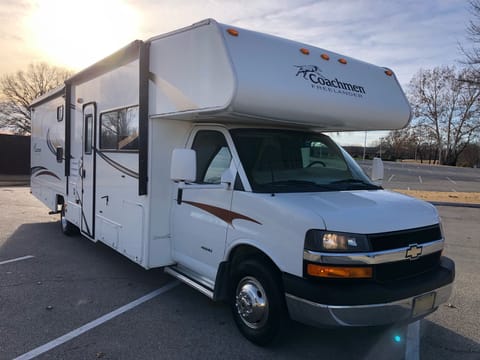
{"type": "Point", "coordinates": [119, 129]}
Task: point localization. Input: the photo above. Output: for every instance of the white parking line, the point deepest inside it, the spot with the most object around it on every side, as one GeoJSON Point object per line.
{"type": "Point", "coordinates": [420, 179]}
{"type": "Point", "coordinates": [16, 259]}
{"type": "Point", "coordinates": [82, 329]}
{"type": "Point", "coordinates": [390, 178]}
{"type": "Point", "coordinates": [452, 181]}
{"type": "Point", "coordinates": [412, 348]}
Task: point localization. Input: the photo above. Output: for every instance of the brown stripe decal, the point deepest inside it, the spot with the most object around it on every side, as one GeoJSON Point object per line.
{"type": "Point", "coordinates": [226, 215]}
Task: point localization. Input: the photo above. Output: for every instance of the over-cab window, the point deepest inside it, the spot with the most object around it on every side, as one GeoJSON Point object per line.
{"type": "Point", "coordinates": [213, 156]}
{"type": "Point", "coordinates": [119, 130]}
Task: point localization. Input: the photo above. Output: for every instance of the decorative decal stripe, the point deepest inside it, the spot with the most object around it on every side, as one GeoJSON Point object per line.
{"type": "Point", "coordinates": [118, 166]}
{"type": "Point", "coordinates": [223, 214]}
{"type": "Point", "coordinates": [50, 145]}
{"type": "Point", "coordinates": [36, 169]}
{"type": "Point", "coordinates": [47, 173]}
{"type": "Point", "coordinates": [41, 170]}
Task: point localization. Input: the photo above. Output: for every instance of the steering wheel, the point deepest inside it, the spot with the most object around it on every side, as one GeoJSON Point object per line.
{"type": "Point", "coordinates": [317, 162]}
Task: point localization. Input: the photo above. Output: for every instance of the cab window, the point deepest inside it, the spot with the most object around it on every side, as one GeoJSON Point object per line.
{"type": "Point", "coordinates": [213, 156]}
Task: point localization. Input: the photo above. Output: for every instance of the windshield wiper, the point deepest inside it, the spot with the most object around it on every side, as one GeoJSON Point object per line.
{"type": "Point", "coordinates": [356, 182]}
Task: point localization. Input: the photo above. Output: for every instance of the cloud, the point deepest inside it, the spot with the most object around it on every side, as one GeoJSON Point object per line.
{"type": "Point", "coordinates": [403, 35]}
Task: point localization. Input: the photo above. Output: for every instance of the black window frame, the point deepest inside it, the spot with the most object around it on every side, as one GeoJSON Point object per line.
{"type": "Point", "coordinates": [60, 113]}
{"type": "Point", "coordinates": [88, 134]}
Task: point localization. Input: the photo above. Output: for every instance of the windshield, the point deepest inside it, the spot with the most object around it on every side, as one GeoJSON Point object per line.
{"type": "Point", "coordinates": [296, 161]}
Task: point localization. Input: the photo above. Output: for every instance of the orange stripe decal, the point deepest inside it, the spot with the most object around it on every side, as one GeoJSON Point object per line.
{"type": "Point", "coordinates": [226, 215]}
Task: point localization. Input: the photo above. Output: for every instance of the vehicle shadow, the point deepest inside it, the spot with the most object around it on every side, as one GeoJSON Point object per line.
{"type": "Point", "coordinates": [438, 342]}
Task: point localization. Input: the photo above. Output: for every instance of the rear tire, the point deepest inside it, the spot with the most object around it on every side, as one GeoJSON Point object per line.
{"type": "Point", "coordinates": [67, 227]}
{"type": "Point", "coordinates": [256, 301]}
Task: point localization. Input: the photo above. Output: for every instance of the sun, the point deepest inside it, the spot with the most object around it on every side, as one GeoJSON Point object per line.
{"type": "Point", "coordinates": [75, 34]}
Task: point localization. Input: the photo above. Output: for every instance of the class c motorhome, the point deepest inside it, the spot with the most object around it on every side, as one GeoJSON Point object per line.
{"type": "Point", "coordinates": [202, 151]}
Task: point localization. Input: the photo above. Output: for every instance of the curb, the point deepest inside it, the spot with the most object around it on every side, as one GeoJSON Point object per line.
{"type": "Point", "coordinates": [464, 205]}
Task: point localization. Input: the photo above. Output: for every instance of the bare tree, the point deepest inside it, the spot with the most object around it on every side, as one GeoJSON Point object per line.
{"type": "Point", "coordinates": [446, 109]}
{"type": "Point", "coordinates": [21, 88]}
{"type": "Point", "coordinates": [472, 54]}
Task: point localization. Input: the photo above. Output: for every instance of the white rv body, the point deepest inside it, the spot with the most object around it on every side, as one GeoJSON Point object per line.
{"type": "Point", "coordinates": [207, 88]}
{"type": "Point", "coordinates": [48, 134]}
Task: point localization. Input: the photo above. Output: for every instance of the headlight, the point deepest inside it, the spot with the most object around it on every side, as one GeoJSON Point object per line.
{"type": "Point", "coordinates": [332, 241]}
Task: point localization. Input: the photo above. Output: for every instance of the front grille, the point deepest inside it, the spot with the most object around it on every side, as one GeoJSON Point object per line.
{"type": "Point", "coordinates": [403, 238]}
{"type": "Point", "coordinates": [406, 268]}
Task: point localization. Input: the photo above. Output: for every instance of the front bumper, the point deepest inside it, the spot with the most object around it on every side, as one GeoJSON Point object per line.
{"type": "Point", "coordinates": [369, 304]}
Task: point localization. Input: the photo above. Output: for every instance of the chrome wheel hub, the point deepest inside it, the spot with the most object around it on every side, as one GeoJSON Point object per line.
{"type": "Point", "coordinates": [251, 302]}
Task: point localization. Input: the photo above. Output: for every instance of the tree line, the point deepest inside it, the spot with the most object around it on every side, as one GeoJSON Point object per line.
{"type": "Point", "coordinates": [445, 101]}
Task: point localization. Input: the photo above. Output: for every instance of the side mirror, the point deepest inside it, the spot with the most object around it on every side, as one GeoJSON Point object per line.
{"type": "Point", "coordinates": [184, 165]}
{"type": "Point", "coordinates": [59, 154]}
{"type": "Point", "coordinates": [377, 170]}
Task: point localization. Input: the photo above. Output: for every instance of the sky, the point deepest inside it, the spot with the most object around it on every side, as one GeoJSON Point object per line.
{"type": "Point", "coordinates": [404, 35]}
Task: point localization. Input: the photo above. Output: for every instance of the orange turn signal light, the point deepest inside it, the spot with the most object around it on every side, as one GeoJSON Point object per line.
{"type": "Point", "coordinates": [345, 272]}
{"type": "Point", "coordinates": [389, 72]}
{"type": "Point", "coordinates": [342, 61]}
{"type": "Point", "coordinates": [305, 51]}
{"type": "Point", "coordinates": [232, 32]}
{"type": "Point", "coordinates": [325, 57]}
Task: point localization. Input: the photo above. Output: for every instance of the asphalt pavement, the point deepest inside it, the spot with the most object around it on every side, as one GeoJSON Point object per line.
{"type": "Point", "coordinates": [90, 301]}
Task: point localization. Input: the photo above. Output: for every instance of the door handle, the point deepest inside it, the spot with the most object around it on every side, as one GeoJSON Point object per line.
{"type": "Point", "coordinates": [84, 173]}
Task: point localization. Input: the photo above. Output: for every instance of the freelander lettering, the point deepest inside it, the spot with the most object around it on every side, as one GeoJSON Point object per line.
{"type": "Point", "coordinates": [319, 81]}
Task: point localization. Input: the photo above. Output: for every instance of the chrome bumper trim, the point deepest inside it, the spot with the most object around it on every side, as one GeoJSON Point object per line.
{"type": "Point", "coordinates": [370, 258]}
{"type": "Point", "coordinates": [322, 315]}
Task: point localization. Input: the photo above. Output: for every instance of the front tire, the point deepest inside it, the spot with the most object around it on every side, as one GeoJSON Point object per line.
{"type": "Point", "coordinates": [257, 302]}
{"type": "Point", "coordinates": [67, 227]}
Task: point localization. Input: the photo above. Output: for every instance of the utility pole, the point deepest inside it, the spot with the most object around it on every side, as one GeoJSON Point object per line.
{"type": "Point", "coordinates": [365, 145]}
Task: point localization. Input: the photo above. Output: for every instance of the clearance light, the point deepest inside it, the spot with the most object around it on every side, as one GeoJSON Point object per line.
{"type": "Point", "coordinates": [389, 72]}
{"type": "Point", "coordinates": [346, 272]}
{"type": "Point", "coordinates": [305, 51]}
{"type": "Point", "coordinates": [232, 32]}
{"type": "Point", "coordinates": [342, 61]}
{"type": "Point", "coordinates": [325, 57]}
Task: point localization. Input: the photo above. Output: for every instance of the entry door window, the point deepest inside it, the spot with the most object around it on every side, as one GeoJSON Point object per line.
{"type": "Point", "coordinates": [213, 156]}
{"type": "Point", "coordinates": [88, 134]}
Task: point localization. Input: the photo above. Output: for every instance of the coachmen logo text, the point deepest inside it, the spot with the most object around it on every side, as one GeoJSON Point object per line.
{"type": "Point", "coordinates": [313, 74]}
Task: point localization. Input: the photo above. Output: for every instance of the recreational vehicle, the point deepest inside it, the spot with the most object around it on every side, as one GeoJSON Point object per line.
{"type": "Point", "coordinates": [203, 151]}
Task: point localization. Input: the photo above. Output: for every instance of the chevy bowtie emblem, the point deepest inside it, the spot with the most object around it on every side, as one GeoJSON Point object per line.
{"type": "Point", "coordinates": [413, 252]}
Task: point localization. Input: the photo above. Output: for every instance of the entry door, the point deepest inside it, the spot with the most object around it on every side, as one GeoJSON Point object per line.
{"type": "Point", "coordinates": [88, 170]}
{"type": "Point", "coordinates": [201, 214]}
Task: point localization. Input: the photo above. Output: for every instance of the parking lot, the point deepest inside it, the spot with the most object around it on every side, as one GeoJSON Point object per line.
{"type": "Point", "coordinates": [415, 176]}
{"type": "Point", "coordinates": [70, 298]}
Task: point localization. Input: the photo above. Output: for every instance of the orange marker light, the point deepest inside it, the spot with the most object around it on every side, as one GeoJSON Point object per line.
{"type": "Point", "coordinates": [342, 61]}
{"type": "Point", "coordinates": [389, 72]}
{"type": "Point", "coordinates": [346, 272]}
{"type": "Point", "coordinates": [325, 57]}
{"type": "Point", "coordinates": [305, 51]}
{"type": "Point", "coordinates": [232, 32]}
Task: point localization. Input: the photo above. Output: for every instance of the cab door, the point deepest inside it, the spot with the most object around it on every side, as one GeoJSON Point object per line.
{"type": "Point", "coordinates": [200, 218]}
{"type": "Point", "coordinates": [88, 170]}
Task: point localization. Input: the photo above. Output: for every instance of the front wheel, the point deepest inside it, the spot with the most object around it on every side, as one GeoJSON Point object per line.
{"type": "Point", "coordinates": [67, 227]}
{"type": "Point", "coordinates": [256, 302]}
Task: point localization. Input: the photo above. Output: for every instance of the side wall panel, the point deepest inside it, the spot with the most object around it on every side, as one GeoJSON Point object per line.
{"type": "Point", "coordinates": [119, 212]}
{"type": "Point", "coordinates": [48, 133]}
{"type": "Point", "coordinates": [165, 135]}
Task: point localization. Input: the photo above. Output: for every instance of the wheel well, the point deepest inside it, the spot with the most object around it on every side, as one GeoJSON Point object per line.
{"type": "Point", "coordinates": [243, 252]}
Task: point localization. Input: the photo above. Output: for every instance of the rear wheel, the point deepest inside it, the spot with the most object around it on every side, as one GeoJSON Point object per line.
{"type": "Point", "coordinates": [67, 227]}
{"type": "Point", "coordinates": [256, 302]}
